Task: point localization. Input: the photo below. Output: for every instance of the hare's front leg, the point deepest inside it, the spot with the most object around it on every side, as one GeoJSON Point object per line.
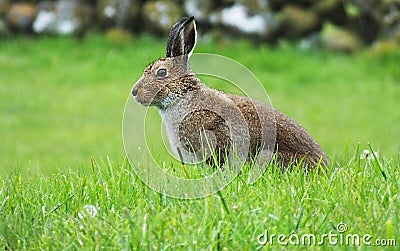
{"type": "Point", "coordinates": [205, 135]}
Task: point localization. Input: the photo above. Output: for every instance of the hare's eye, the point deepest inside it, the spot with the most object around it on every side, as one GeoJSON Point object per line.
{"type": "Point", "coordinates": [161, 73]}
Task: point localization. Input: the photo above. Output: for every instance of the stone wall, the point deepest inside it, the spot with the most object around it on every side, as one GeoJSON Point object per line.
{"type": "Point", "coordinates": [338, 24]}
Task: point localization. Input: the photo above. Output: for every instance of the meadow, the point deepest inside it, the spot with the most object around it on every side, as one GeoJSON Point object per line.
{"type": "Point", "coordinates": [66, 182]}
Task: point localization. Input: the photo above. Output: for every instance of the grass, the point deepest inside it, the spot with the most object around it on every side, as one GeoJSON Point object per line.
{"type": "Point", "coordinates": [57, 211]}
{"type": "Point", "coordinates": [62, 158]}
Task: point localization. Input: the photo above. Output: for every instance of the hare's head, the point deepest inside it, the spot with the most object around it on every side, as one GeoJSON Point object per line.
{"type": "Point", "coordinates": [166, 79]}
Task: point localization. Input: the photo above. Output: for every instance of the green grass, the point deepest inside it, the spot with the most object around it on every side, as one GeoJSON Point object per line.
{"type": "Point", "coordinates": [62, 101]}
{"type": "Point", "coordinates": [51, 212]}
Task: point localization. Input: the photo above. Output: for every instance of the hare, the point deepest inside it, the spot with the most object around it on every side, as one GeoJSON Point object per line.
{"type": "Point", "coordinates": [205, 124]}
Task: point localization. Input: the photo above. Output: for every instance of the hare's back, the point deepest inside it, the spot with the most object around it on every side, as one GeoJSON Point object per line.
{"type": "Point", "coordinates": [269, 126]}
{"type": "Point", "coordinates": [260, 122]}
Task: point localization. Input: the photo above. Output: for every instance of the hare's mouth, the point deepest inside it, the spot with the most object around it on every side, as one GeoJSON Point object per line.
{"type": "Point", "coordinates": [143, 102]}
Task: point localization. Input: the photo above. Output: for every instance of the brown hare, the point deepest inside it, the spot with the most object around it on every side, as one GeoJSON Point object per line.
{"type": "Point", "coordinates": [204, 124]}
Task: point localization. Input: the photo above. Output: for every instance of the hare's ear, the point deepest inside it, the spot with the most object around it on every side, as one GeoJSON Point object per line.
{"type": "Point", "coordinates": [182, 38]}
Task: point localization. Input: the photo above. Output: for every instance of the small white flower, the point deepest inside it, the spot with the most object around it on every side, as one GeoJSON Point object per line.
{"type": "Point", "coordinates": [367, 155]}
{"type": "Point", "coordinates": [92, 210]}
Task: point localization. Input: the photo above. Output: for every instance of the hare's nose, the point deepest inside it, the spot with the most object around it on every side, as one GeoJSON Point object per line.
{"type": "Point", "coordinates": [134, 91]}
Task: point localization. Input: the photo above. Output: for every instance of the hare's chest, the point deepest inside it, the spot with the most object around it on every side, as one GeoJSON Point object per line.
{"type": "Point", "coordinates": [171, 121]}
